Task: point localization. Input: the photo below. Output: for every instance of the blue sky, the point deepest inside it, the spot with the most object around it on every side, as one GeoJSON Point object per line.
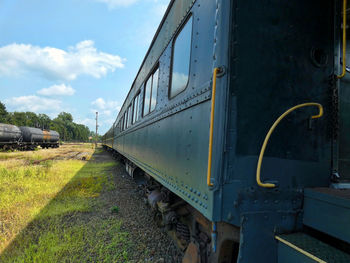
{"type": "Point", "coordinates": [78, 56]}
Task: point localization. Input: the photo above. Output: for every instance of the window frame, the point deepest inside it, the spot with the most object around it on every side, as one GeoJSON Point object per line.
{"type": "Point", "coordinates": [134, 110]}
{"type": "Point", "coordinates": [144, 97]}
{"type": "Point", "coordinates": [150, 100]}
{"type": "Point", "coordinates": [139, 111]}
{"type": "Point", "coordinates": [150, 77]}
{"type": "Point", "coordinates": [136, 103]}
{"type": "Point", "coordinates": [178, 32]}
{"type": "Point", "coordinates": [125, 119]}
{"type": "Point", "coordinates": [130, 115]}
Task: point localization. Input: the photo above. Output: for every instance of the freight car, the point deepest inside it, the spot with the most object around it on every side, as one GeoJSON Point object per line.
{"type": "Point", "coordinates": [239, 121]}
{"type": "Point", "coordinates": [26, 138]}
{"type": "Point", "coordinates": [10, 136]}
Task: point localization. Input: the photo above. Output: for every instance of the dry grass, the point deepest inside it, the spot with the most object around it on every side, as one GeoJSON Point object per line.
{"type": "Point", "coordinates": [25, 187]}
{"type": "Point", "coordinates": [51, 153]}
{"type": "Point", "coordinates": [39, 189]}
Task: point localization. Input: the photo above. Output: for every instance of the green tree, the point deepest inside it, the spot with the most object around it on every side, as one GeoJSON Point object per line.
{"type": "Point", "coordinates": [63, 123]}
{"type": "Point", "coordinates": [3, 113]}
{"type": "Point", "coordinates": [32, 119]}
{"type": "Point", "coordinates": [17, 118]}
{"type": "Point", "coordinates": [44, 121]}
{"type": "Point", "coordinates": [66, 117]}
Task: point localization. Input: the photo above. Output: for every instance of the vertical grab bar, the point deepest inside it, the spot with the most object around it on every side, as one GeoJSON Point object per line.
{"type": "Point", "coordinates": [344, 41]}
{"type": "Point", "coordinates": [262, 151]}
{"type": "Point", "coordinates": [215, 73]}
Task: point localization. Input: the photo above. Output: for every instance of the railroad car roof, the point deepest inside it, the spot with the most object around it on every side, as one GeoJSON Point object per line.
{"type": "Point", "coordinates": [167, 28]}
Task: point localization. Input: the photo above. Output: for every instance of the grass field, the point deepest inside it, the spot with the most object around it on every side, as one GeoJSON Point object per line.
{"type": "Point", "coordinates": [49, 200]}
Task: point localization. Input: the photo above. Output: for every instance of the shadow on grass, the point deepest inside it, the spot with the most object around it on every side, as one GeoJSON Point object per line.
{"type": "Point", "coordinates": [76, 225]}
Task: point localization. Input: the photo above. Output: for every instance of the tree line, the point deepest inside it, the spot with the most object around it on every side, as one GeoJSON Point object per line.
{"type": "Point", "coordinates": [63, 123]}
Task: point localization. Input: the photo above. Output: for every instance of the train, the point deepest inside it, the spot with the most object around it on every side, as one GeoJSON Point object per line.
{"type": "Point", "coordinates": [26, 138]}
{"type": "Point", "coordinates": [236, 129]}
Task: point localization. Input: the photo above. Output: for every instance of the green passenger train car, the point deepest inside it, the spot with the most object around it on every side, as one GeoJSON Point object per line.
{"type": "Point", "coordinates": [238, 120]}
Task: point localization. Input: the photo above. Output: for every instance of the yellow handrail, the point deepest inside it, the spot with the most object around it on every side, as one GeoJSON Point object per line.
{"type": "Point", "coordinates": [344, 41]}
{"type": "Point", "coordinates": [262, 151]}
{"type": "Point", "coordinates": [215, 73]}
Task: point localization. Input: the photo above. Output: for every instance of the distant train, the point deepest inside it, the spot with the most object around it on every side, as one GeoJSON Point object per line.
{"type": "Point", "coordinates": [26, 138]}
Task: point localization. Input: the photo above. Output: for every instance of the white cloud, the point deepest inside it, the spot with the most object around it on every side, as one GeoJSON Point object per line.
{"type": "Point", "coordinates": [106, 106]}
{"type": "Point", "coordinates": [117, 3]}
{"type": "Point", "coordinates": [160, 9]}
{"type": "Point", "coordinates": [87, 121]}
{"type": "Point", "coordinates": [160, 5]}
{"type": "Point", "coordinates": [109, 122]}
{"type": "Point", "coordinates": [60, 90]}
{"type": "Point", "coordinates": [103, 124]}
{"type": "Point", "coordinates": [100, 103]}
{"type": "Point", "coordinates": [107, 113]}
{"type": "Point", "coordinates": [34, 103]}
{"type": "Point", "coordinates": [54, 63]}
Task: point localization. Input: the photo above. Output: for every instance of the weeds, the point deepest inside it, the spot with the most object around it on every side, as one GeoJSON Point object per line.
{"type": "Point", "coordinates": [40, 204]}
{"type": "Point", "coordinates": [115, 209]}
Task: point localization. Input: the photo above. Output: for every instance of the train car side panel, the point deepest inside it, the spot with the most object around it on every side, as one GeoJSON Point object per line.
{"type": "Point", "coordinates": [171, 143]}
{"type": "Point", "coordinates": [176, 158]}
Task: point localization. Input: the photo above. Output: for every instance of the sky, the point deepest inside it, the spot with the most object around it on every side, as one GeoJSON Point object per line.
{"type": "Point", "coordinates": [77, 56]}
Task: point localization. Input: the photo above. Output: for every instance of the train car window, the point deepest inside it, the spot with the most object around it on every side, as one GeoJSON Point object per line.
{"type": "Point", "coordinates": [131, 113]}
{"type": "Point", "coordinates": [122, 124]}
{"type": "Point", "coordinates": [147, 96]}
{"type": "Point", "coordinates": [129, 116]}
{"type": "Point", "coordinates": [125, 119]}
{"type": "Point", "coordinates": [150, 98]}
{"type": "Point", "coordinates": [138, 115]}
{"type": "Point", "coordinates": [136, 108]}
{"type": "Point", "coordinates": [155, 77]}
{"type": "Point", "coordinates": [181, 59]}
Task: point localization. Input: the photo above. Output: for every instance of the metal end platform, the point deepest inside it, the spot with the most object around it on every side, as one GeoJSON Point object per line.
{"type": "Point", "coordinates": [300, 247]}
{"type": "Point", "coordinates": [337, 193]}
{"type": "Point", "coordinates": [328, 210]}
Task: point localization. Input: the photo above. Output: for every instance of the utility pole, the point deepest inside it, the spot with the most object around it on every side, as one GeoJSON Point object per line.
{"type": "Point", "coordinates": [96, 129]}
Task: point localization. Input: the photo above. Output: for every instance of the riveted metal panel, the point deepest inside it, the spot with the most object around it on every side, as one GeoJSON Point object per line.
{"type": "Point", "coordinates": [178, 10]}
{"type": "Point", "coordinates": [258, 229]}
{"type": "Point", "coordinates": [171, 143]}
{"type": "Point", "coordinates": [272, 70]}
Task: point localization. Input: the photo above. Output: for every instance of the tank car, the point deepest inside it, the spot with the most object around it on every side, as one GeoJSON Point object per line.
{"type": "Point", "coordinates": [10, 136]}
{"type": "Point", "coordinates": [27, 138]}
{"type": "Point", "coordinates": [33, 137]}
{"type": "Point", "coordinates": [238, 121]}
{"type": "Point", "coordinates": [50, 139]}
